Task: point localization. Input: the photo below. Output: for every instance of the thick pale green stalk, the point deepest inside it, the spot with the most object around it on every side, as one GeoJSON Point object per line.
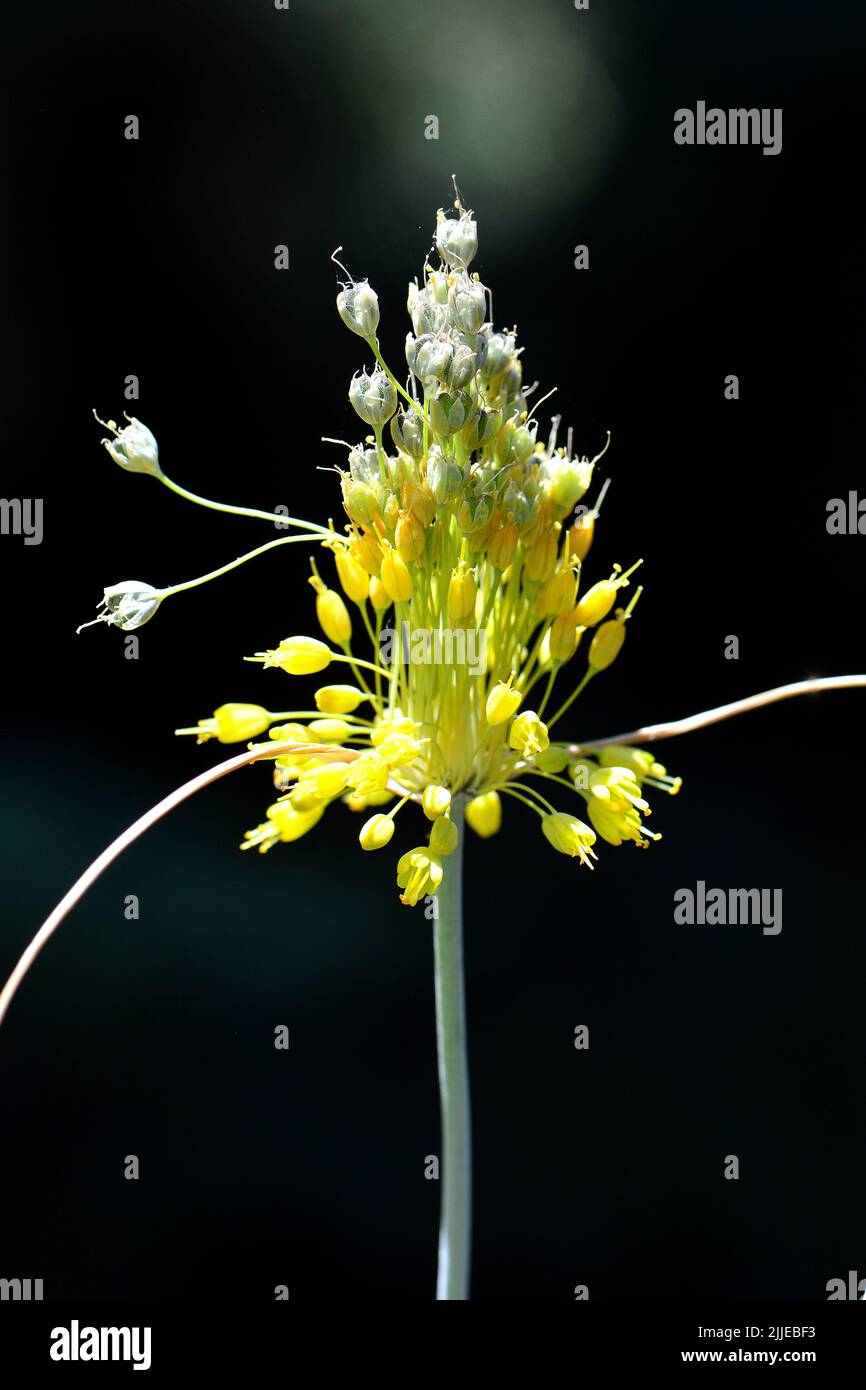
{"type": "Point", "coordinates": [456, 1156]}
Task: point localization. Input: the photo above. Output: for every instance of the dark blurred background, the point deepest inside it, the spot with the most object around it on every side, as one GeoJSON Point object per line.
{"type": "Point", "coordinates": [155, 1037]}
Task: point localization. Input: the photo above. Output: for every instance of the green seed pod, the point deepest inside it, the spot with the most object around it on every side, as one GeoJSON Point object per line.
{"type": "Point", "coordinates": [427, 315]}
{"type": "Point", "coordinates": [467, 304]}
{"type": "Point", "coordinates": [481, 429]}
{"type": "Point", "coordinates": [500, 351]}
{"type": "Point", "coordinates": [373, 397]}
{"type": "Point", "coordinates": [456, 239]}
{"type": "Point", "coordinates": [462, 368]}
{"type": "Point", "coordinates": [449, 413]}
{"type": "Point", "coordinates": [444, 478]}
{"type": "Point", "coordinates": [407, 432]}
{"type": "Point", "coordinates": [431, 357]}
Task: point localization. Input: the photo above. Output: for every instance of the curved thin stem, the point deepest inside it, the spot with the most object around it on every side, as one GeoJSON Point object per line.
{"type": "Point", "coordinates": [241, 511]}
{"type": "Point", "coordinates": [131, 834]}
{"type": "Point", "coordinates": [651, 732]}
{"type": "Point", "coordinates": [452, 1282]}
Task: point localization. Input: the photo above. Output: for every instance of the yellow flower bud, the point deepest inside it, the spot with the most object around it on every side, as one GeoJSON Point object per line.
{"type": "Point", "coordinates": [444, 836]}
{"type": "Point", "coordinates": [502, 701]}
{"type": "Point", "coordinates": [503, 544]}
{"type": "Point", "coordinates": [528, 734]}
{"type": "Point", "coordinates": [607, 644]}
{"type": "Point", "coordinates": [540, 559]}
{"type": "Point", "coordinates": [596, 603]}
{"type": "Point", "coordinates": [364, 547]}
{"type": "Point", "coordinates": [352, 575]}
{"type": "Point", "coordinates": [231, 724]}
{"type": "Point", "coordinates": [569, 835]}
{"type": "Point", "coordinates": [580, 535]}
{"type": "Point", "coordinates": [396, 577]}
{"type": "Point", "coordinates": [285, 822]}
{"type": "Point", "coordinates": [376, 832]}
{"type": "Point", "coordinates": [558, 593]}
{"type": "Point", "coordinates": [435, 801]}
{"type": "Point", "coordinates": [379, 596]}
{"type": "Point", "coordinates": [564, 637]}
{"type": "Point", "coordinates": [338, 699]}
{"type": "Point", "coordinates": [409, 537]}
{"type": "Point", "coordinates": [331, 730]}
{"type": "Point", "coordinates": [462, 591]}
{"type": "Point", "coordinates": [599, 600]}
{"type": "Point", "coordinates": [333, 615]}
{"type": "Point", "coordinates": [299, 656]}
{"type": "Point", "coordinates": [320, 783]}
{"type": "Point", "coordinates": [484, 814]}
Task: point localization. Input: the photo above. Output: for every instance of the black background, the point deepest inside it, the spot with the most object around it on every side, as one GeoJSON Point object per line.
{"type": "Point", "coordinates": [154, 1037]}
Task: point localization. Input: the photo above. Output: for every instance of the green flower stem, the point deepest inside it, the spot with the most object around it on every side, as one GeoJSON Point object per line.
{"type": "Point", "coordinates": [310, 526]}
{"type": "Point", "coordinates": [456, 1157]}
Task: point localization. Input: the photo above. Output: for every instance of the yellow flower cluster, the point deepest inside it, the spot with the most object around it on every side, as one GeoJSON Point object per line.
{"type": "Point", "coordinates": [462, 567]}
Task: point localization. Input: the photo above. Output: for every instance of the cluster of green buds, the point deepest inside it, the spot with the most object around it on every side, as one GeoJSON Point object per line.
{"type": "Point", "coordinates": [463, 561]}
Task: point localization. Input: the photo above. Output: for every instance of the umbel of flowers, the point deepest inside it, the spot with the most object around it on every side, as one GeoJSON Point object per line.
{"type": "Point", "coordinates": [461, 571]}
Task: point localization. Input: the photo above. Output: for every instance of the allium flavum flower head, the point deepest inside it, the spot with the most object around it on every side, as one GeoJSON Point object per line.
{"type": "Point", "coordinates": [461, 563]}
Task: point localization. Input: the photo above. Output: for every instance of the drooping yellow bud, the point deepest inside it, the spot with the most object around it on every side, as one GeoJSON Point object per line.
{"type": "Point", "coordinates": [231, 724]}
{"type": "Point", "coordinates": [540, 559]}
{"type": "Point", "coordinates": [338, 699]}
{"type": "Point", "coordinates": [558, 593]}
{"type": "Point", "coordinates": [376, 832]}
{"type": "Point", "coordinates": [419, 873]}
{"type": "Point", "coordinates": [528, 734]}
{"type": "Point", "coordinates": [364, 547]}
{"type": "Point", "coordinates": [395, 577]}
{"type": "Point", "coordinates": [462, 592]}
{"type": "Point", "coordinates": [435, 801]}
{"type": "Point", "coordinates": [606, 644]}
{"type": "Point", "coordinates": [502, 701]}
{"type": "Point", "coordinates": [642, 764]}
{"type": "Point", "coordinates": [564, 637]}
{"type": "Point", "coordinates": [285, 822]}
{"type": "Point", "coordinates": [352, 575]}
{"type": "Point", "coordinates": [379, 596]}
{"type": "Point", "coordinates": [484, 814]}
{"type": "Point", "coordinates": [331, 611]}
{"type": "Point", "coordinates": [444, 836]}
{"type": "Point", "coordinates": [321, 782]}
{"type": "Point", "coordinates": [569, 835]}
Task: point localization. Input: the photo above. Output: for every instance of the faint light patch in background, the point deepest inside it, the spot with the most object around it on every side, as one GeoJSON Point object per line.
{"type": "Point", "coordinates": [528, 114]}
